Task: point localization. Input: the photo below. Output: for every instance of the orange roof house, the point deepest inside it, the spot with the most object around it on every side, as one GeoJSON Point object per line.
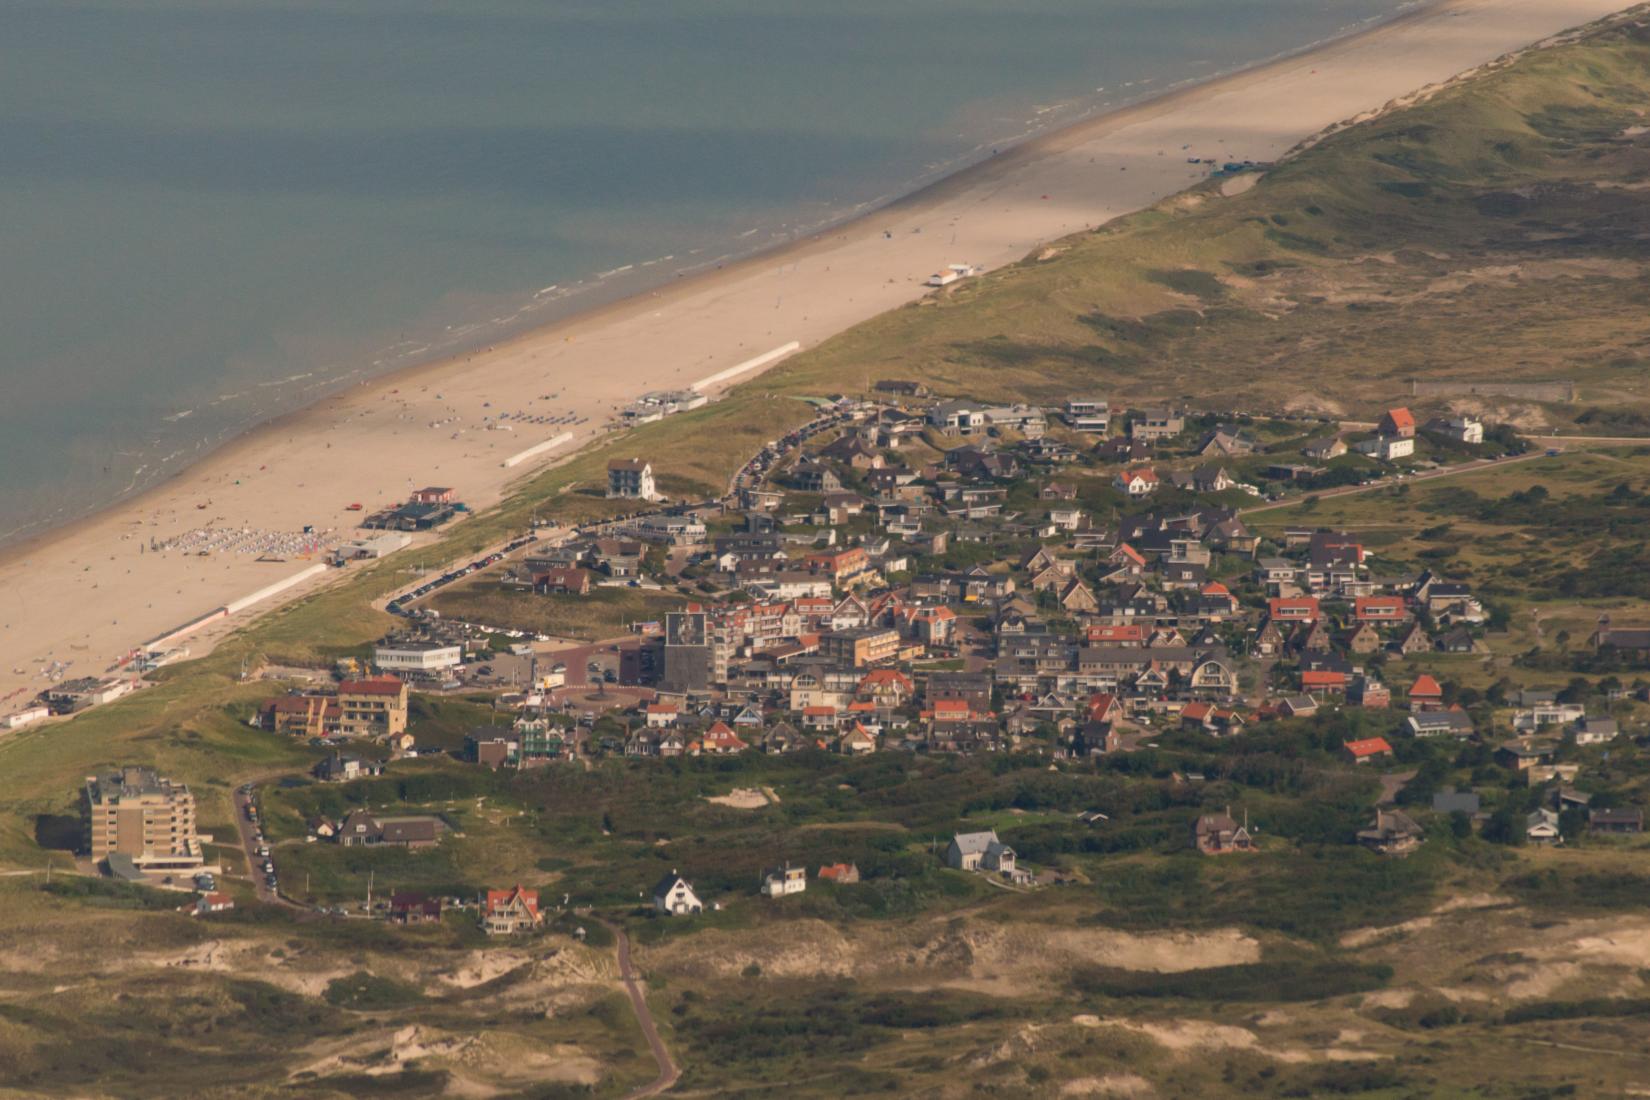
{"type": "Point", "coordinates": [1399, 422]}
{"type": "Point", "coordinates": [1379, 609]}
{"type": "Point", "coordinates": [720, 739]}
{"type": "Point", "coordinates": [1367, 749]}
{"type": "Point", "coordinates": [1103, 707]}
{"type": "Point", "coordinates": [1117, 634]}
{"type": "Point", "coordinates": [505, 912]}
{"type": "Point", "coordinates": [1298, 609]}
{"type": "Point", "coordinates": [1425, 691]}
{"type": "Point", "coordinates": [1320, 680]}
{"type": "Point", "coordinates": [886, 683]}
{"type": "Point", "coordinates": [1196, 714]}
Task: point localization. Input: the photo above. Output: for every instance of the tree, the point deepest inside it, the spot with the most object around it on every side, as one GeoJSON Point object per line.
{"type": "Point", "coordinates": [1505, 827]}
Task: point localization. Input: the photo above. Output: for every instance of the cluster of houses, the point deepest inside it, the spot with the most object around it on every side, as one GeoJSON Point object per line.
{"type": "Point", "coordinates": [839, 627]}
{"type": "Point", "coordinates": [954, 577]}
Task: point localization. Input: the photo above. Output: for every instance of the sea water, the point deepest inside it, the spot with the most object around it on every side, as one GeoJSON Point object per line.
{"type": "Point", "coordinates": [213, 211]}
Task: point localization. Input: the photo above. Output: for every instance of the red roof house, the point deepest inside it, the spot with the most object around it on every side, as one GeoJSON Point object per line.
{"type": "Point", "coordinates": [1323, 680]}
{"type": "Point", "coordinates": [1297, 609]}
{"type": "Point", "coordinates": [1399, 422]}
{"type": "Point", "coordinates": [1425, 692]}
{"type": "Point", "coordinates": [505, 912]}
{"type": "Point", "coordinates": [1379, 609]}
{"type": "Point", "coordinates": [1369, 748]}
{"type": "Point", "coordinates": [839, 872]}
{"type": "Point", "coordinates": [1132, 635]}
{"type": "Point", "coordinates": [720, 740]}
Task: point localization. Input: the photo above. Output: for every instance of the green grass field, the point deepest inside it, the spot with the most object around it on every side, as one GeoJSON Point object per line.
{"type": "Point", "coordinates": [603, 613]}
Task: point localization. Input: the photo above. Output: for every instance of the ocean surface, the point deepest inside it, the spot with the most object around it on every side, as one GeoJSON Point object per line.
{"type": "Point", "coordinates": [213, 211]}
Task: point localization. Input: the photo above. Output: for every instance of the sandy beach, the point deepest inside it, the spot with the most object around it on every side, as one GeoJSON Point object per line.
{"type": "Point", "coordinates": [87, 594]}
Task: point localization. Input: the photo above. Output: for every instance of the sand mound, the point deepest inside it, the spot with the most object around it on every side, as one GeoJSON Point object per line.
{"type": "Point", "coordinates": [480, 1062]}
{"type": "Point", "coordinates": [1182, 1036]}
{"type": "Point", "coordinates": [740, 798]}
{"type": "Point", "coordinates": [1117, 1085]}
{"type": "Point", "coordinates": [985, 949]}
{"type": "Point", "coordinates": [481, 967]}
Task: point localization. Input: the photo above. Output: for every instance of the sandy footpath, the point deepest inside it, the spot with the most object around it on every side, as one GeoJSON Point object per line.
{"type": "Point", "coordinates": [88, 593]}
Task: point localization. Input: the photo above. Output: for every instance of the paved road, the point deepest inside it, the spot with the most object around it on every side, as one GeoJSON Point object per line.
{"type": "Point", "coordinates": [668, 1073]}
{"type": "Point", "coordinates": [249, 841]}
{"type": "Point", "coordinates": [1388, 483]}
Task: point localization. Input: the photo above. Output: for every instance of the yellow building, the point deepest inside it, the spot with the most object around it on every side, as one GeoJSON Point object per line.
{"type": "Point", "coordinates": [858, 648]}
{"type": "Point", "coordinates": [376, 707]}
{"type": "Point", "coordinates": [137, 814]}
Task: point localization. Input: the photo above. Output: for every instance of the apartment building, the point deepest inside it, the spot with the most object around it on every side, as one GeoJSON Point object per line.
{"type": "Point", "coordinates": [374, 707]}
{"type": "Point", "coordinates": [869, 645]}
{"type": "Point", "coordinates": [135, 814]}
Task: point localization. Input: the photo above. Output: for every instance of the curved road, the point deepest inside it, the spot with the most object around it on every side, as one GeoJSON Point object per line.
{"type": "Point", "coordinates": [668, 1072]}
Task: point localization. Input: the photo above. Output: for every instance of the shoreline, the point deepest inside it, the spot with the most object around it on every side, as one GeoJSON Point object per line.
{"type": "Point", "coordinates": [618, 349]}
{"type": "Point", "coordinates": [923, 185]}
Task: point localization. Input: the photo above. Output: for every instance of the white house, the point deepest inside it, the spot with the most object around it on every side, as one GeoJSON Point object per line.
{"type": "Point", "coordinates": [1596, 731]}
{"type": "Point", "coordinates": [1136, 482]}
{"type": "Point", "coordinates": [785, 881]}
{"type": "Point", "coordinates": [660, 715]}
{"type": "Point", "coordinates": [1029, 420]}
{"type": "Point", "coordinates": [1462, 429]}
{"type": "Point", "coordinates": [979, 852]}
{"type": "Point", "coordinates": [674, 897]}
{"type": "Point", "coordinates": [958, 417]}
{"type": "Point", "coordinates": [1387, 447]}
{"type": "Point", "coordinates": [631, 479]}
{"type": "Point", "coordinates": [1541, 827]}
{"type": "Point", "coordinates": [1548, 714]}
{"type": "Point", "coordinates": [1088, 414]}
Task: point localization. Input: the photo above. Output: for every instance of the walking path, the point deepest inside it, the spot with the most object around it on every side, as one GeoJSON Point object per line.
{"type": "Point", "coordinates": [668, 1071]}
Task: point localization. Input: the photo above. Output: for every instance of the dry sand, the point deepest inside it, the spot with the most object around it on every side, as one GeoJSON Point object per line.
{"type": "Point", "coordinates": [86, 595]}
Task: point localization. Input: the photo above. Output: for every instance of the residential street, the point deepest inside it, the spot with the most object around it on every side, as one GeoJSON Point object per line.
{"type": "Point", "coordinates": [249, 841]}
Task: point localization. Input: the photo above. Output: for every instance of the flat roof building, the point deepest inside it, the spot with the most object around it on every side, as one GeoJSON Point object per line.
{"type": "Point", "coordinates": [148, 819]}
{"type": "Point", "coordinates": [417, 656]}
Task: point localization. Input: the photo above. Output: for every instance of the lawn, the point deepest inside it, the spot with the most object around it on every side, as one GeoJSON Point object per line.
{"type": "Point", "coordinates": [604, 613]}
